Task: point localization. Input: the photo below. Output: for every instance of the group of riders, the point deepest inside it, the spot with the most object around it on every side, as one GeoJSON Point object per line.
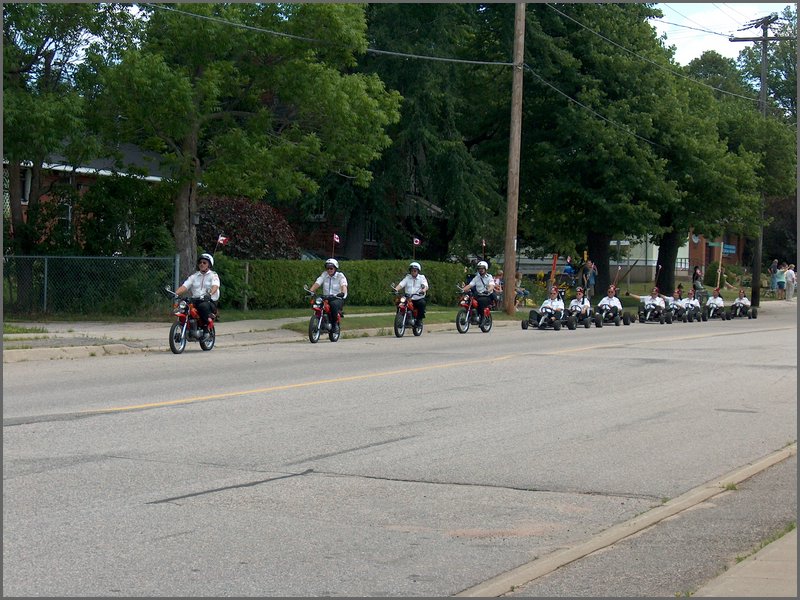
{"type": "Point", "coordinates": [204, 285]}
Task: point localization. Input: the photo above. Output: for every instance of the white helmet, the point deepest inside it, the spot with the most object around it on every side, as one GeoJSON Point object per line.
{"type": "Point", "coordinates": [483, 264]}
{"type": "Point", "coordinates": [206, 256]}
{"type": "Point", "coordinates": [415, 265]}
{"type": "Point", "coordinates": [332, 261]}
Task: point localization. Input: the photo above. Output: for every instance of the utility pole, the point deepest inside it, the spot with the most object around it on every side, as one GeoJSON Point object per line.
{"type": "Point", "coordinates": [764, 23]}
{"type": "Point", "coordinates": [512, 204]}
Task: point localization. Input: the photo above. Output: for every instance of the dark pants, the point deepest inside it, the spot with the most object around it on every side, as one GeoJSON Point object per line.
{"type": "Point", "coordinates": [612, 310]}
{"type": "Point", "coordinates": [483, 302]}
{"type": "Point", "coordinates": [419, 305]}
{"type": "Point", "coordinates": [535, 316]}
{"type": "Point", "coordinates": [337, 307]}
{"type": "Point", "coordinates": [205, 308]}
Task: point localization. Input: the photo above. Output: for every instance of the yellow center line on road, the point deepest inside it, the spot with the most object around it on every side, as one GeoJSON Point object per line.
{"type": "Point", "coordinates": [450, 365]}
{"type": "Point", "coordinates": [290, 386]}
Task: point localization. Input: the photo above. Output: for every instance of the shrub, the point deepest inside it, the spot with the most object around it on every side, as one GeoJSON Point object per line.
{"type": "Point", "coordinates": [255, 229]}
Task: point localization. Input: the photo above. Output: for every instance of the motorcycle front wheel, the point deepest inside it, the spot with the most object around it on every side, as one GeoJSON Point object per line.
{"type": "Point", "coordinates": [417, 328]}
{"type": "Point", "coordinates": [400, 324]}
{"type": "Point", "coordinates": [333, 334]}
{"type": "Point", "coordinates": [462, 321]}
{"type": "Point", "coordinates": [177, 339]}
{"type": "Point", "coordinates": [207, 344]}
{"type": "Point", "coordinates": [314, 329]}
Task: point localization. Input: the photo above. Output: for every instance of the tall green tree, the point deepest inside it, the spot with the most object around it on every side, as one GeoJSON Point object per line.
{"type": "Point", "coordinates": [431, 183]}
{"type": "Point", "coordinates": [590, 171]}
{"type": "Point", "coordinates": [249, 99]}
{"type": "Point", "coordinates": [43, 112]}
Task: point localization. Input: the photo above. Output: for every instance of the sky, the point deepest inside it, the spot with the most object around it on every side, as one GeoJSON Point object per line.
{"type": "Point", "coordinates": [720, 17]}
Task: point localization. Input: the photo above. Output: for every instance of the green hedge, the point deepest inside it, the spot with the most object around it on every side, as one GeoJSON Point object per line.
{"type": "Point", "coordinates": [279, 283]}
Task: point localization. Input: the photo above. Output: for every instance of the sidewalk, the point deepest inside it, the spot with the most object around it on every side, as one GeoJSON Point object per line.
{"type": "Point", "coordinates": [770, 573]}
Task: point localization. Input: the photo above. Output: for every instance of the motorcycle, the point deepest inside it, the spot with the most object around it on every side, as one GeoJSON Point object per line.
{"type": "Point", "coordinates": [406, 315]}
{"type": "Point", "coordinates": [321, 319]}
{"type": "Point", "coordinates": [468, 313]}
{"type": "Point", "coordinates": [186, 326]}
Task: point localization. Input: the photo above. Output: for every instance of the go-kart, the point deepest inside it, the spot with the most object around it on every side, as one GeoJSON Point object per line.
{"type": "Point", "coordinates": [605, 314]}
{"type": "Point", "coordinates": [574, 317]}
{"type": "Point", "coordinates": [547, 318]}
{"type": "Point", "coordinates": [712, 311]}
{"type": "Point", "coordinates": [653, 313]}
{"type": "Point", "coordinates": [741, 310]}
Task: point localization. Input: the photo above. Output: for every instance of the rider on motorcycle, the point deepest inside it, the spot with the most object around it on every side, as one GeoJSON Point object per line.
{"type": "Point", "coordinates": [203, 285]}
{"type": "Point", "coordinates": [483, 283]}
{"type": "Point", "coordinates": [334, 284]}
{"type": "Point", "coordinates": [415, 286]}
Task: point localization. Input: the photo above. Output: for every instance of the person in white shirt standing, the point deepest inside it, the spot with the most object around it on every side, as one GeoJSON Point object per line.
{"type": "Point", "coordinates": [791, 282]}
{"type": "Point", "coordinates": [415, 286]}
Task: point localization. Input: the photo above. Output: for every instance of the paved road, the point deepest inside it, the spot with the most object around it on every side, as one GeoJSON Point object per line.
{"type": "Point", "coordinates": [376, 466]}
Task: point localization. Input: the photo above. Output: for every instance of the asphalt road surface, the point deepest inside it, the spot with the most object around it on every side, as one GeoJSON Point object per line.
{"type": "Point", "coordinates": [397, 467]}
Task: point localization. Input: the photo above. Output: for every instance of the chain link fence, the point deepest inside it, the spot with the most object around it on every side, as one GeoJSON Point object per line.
{"type": "Point", "coordinates": [87, 285]}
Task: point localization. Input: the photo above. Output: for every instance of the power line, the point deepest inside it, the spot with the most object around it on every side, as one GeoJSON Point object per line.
{"type": "Point", "coordinates": [316, 41]}
{"type": "Point", "coordinates": [652, 62]}
{"type": "Point", "coordinates": [594, 112]}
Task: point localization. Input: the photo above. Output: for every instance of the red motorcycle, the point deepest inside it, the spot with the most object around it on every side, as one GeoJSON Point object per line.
{"type": "Point", "coordinates": [187, 325]}
{"type": "Point", "coordinates": [406, 315]}
{"type": "Point", "coordinates": [468, 313]}
{"type": "Point", "coordinates": [322, 319]}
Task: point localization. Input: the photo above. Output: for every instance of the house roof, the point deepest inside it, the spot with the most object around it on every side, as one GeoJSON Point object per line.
{"type": "Point", "coordinates": [131, 158]}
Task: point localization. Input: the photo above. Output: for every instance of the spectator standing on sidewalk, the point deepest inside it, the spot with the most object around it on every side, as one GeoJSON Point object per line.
{"type": "Point", "coordinates": [773, 276]}
{"type": "Point", "coordinates": [589, 279]}
{"type": "Point", "coordinates": [791, 282]}
{"type": "Point", "coordinates": [780, 281]}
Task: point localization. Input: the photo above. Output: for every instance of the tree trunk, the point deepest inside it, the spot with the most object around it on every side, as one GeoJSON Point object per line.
{"type": "Point", "coordinates": [597, 245]}
{"type": "Point", "coordinates": [183, 221]}
{"type": "Point", "coordinates": [667, 257]}
{"type": "Point", "coordinates": [21, 240]}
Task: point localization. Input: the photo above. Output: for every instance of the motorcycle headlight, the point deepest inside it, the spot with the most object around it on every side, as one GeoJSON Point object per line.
{"type": "Point", "coordinates": [318, 301]}
{"type": "Point", "coordinates": [402, 298]}
{"type": "Point", "coordinates": [182, 305]}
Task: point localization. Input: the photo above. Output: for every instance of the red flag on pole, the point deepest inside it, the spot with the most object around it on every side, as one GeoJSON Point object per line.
{"type": "Point", "coordinates": [222, 240]}
{"type": "Point", "coordinates": [417, 242]}
{"type": "Point", "coordinates": [336, 238]}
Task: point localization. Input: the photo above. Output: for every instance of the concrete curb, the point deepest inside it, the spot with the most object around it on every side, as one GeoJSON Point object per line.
{"type": "Point", "coordinates": [508, 581]}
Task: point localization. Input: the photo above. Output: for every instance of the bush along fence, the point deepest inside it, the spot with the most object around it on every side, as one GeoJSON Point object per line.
{"type": "Point", "coordinates": [125, 286]}
{"type": "Point", "coordinates": [265, 284]}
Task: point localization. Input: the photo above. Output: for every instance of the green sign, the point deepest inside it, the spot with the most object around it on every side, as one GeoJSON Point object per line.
{"type": "Point", "coordinates": [714, 244]}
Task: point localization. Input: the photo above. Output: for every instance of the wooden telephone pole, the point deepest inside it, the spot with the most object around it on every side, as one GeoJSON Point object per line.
{"type": "Point", "coordinates": [512, 205]}
{"type": "Point", "coordinates": [764, 23]}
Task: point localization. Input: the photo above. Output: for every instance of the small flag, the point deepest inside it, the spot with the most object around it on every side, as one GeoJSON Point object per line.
{"type": "Point", "coordinates": [483, 242]}
{"type": "Point", "coordinates": [222, 240]}
{"type": "Point", "coordinates": [336, 238]}
{"type": "Point", "coordinates": [417, 242]}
